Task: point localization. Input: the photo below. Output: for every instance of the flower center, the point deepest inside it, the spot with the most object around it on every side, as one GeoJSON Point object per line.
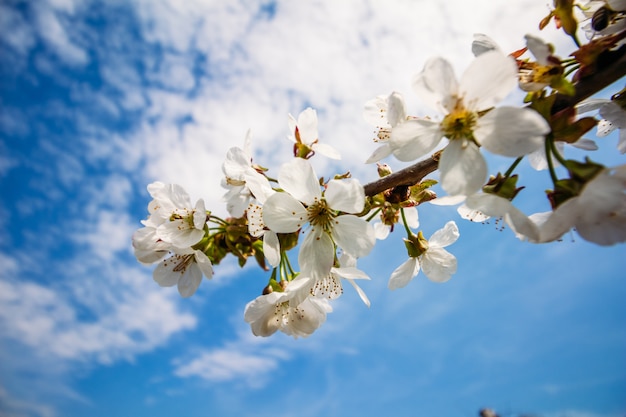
{"type": "Point", "coordinates": [321, 215]}
{"type": "Point", "coordinates": [329, 287]}
{"type": "Point", "coordinates": [459, 123]}
{"type": "Point", "coordinates": [182, 262]}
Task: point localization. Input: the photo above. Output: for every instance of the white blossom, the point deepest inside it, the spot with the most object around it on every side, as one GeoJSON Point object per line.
{"type": "Point", "coordinates": [177, 221]}
{"type": "Point", "coordinates": [326, 214]}
{"type": "Point", "coordinates": [304, 130]}
{"type": "Point", "coordinates": [437, 263]}
{"type": "Point", "coordinates": [384, 113]}
{"type": "Point", "coordinates": [613, 117]}
{"type": "Point", "coordinates": [242, 181]}
{"type": "Point", "coordinates": [507, 131]}
{"type": "Point", "coordinates": [184, 270]}
{"type": "Point", "coordinates": [277, 311]}
{"type": "Point", "coordinates": [598, 213]}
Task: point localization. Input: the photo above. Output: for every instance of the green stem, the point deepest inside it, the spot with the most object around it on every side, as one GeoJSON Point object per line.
{"type": "Point", "coordinates": [548, 152]}
{"type": "Point", "coordinates": [370, 218]}
{"type": "Point", "coordinates": [513, 166]}
{"type": "Point", "coordinates": [409, 232]}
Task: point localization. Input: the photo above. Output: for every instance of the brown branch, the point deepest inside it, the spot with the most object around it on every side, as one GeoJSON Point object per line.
{"type": "Point", "coordinates": [407, 176]}
{"type": "Point", "coordinates": [612, 68]}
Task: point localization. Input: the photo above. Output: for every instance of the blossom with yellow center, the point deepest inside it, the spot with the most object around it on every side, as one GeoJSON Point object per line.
{"type": "Point", "coordinates": [327, 215]}
{"type": "Point", "coordinates": [470, 120]}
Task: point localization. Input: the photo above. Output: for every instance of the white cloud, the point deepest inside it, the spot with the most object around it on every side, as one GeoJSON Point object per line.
{"type": "Point", "coordinates": [228, 365]}
{"type": "Point", "coordinates": [54, 32]}
{"type": "Point", "coordinates": [48, 321]}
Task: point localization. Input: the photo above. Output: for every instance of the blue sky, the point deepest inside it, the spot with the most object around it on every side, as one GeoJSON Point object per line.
{"type": "Point", "coordinates": [98, 99]}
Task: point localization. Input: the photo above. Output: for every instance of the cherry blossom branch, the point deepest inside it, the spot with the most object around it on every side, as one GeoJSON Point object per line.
{"type": "Point", "coordinates": [407, 176]}
{"type": "Point", "coordinates": [612, 67]}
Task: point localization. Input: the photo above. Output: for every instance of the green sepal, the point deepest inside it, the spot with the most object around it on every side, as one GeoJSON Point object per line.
{"type": "Point", "coordinates": [416, 245]}
{"type": "Point", "coordinates": [572, 132]}
{"type": "Point", "coordinates": [505, 187]}
{"type": "Point", "coordinates": [583, 171]}
{"type": "Point", "coordinates": [563, 86]}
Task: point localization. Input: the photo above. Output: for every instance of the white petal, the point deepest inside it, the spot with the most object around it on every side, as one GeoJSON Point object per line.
{"type": "Point", "coordinates": [284, 214]}
{"type": "Point", "coordinates": [345, 195]}
{"type": "Point", "coordinates": [521, 224]}
{"type": "Point", "coordinates": [560, 221]}
{"type": "Point", "coordinates": [462, 168]}
{"type": "Point", "coordinates": [488, 80]}
{"type": "Point", "coordinates": [179, 236]}
{"type": "Point", "coordinates": [204, 263]}
{"type": "Point", "coordinates": [604, 128]}
{"type": "Point", "coordinates": [591, 105]}
{"type": "Point", "coordinates": [585, 144]}
{"type": "Point", "coordinates": [472, 215]}
{"type": "Point", "coordinates": [375, 112]}
{"type": "Point", "coordinates": [540, 50]}
{"type": "Point", "coordinates": [256, 227]}
{"type": "Point", "coordinates": [361, 293]}
{"type": "Point", "coordinates": [326, 150]}
{"type": "Point", "coordinates": [490, 204]}
{"type": "Point", "coordinates": [621, 144]}
{"type": "Point", "coordinates": [354, 235]}
{"type": "Point", "coordinates": [317, 254]}
{"type": "Point", "coordinates": [298, 178]}
{"type": "Point", "coordinates": [199, 215]}
{"type": "Point", "coordinates": [444, 236]}
{"type": "Point", "coordinates": [411, 216]}
{"type": "Point", "coordinates": [381, 230]}
{"type": "Point", "coordinates": [396, 112]}
{"type": "Point", "coordinates": [237, 161]}
{"type": "Point", "coordinates": [307, 126]}
{"type": "Point", "coordinates": [414, 138]}
{"type": "Point", "coordinates": [271, 248]}
{"type": "Point", "coordinates": [613, 112]}
{"type": "Point", "coordinates": [436, 85]}
{"type": "Point", "coordinates": [511, 131]}
{"type": "Point", "coordinates": [404, 274]}
{"type": "Point", "coordinates": [438, 264]}
{"type": "Point", "coordinates": [350, 272]}
{"type": "Point", "coordinates": [381, 152]}
{"type": "Point", "coordinates": [258, 185]}
{"type": "Point", "coordinates": [190, 281]}
{"type": "Point", "coordinates": [538, 160]}
{"type": "Point", "coordinates": [173, 196]}
{"type": "Point", "coordinates": [236, 202]}
{"type": "Point", "coordinates": [164, 273]}
{"type": "Point", "coordinates": [448, 200]}
{"type": "Point", "coordinates": [483, 43]}
{"type": "Point", "coordinates": [496, 206]}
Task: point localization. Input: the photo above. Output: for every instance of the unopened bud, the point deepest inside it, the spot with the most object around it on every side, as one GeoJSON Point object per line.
{"type": "Point", "coordinates": [383, 170]}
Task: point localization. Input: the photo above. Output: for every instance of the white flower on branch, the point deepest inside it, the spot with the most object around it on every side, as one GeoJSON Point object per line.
{"type": "Point", "coordinates": [173, 228]}
{"type": "Point", "coordinates": [242, 181]}
{"type": "Point", "coordinates": [326, 213]}
{"type": "Point", "coordinates": [303, 133]}
{"type": "Point", "coordinates": [613, 117]}
{"type": "Point", "coordinates": [437, 263]}
{"type": "Point", "coordinates": [598, 213]}
{"type": "Point", "coordinates": [275, 311]}
{"type": "Point", "coordinates": [507, 131]}
{"type": "Point", "coordinates": [330, 286]}
{"type": "Point", "coordinates": [184, 269]}
{"type": "Point", "coordinates": [384, 113]}
{"type": "Point", "coordinates": [178, 222]}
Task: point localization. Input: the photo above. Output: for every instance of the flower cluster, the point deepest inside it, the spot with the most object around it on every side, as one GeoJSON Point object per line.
{"type": "Point", "coordinates": [331, 223]}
